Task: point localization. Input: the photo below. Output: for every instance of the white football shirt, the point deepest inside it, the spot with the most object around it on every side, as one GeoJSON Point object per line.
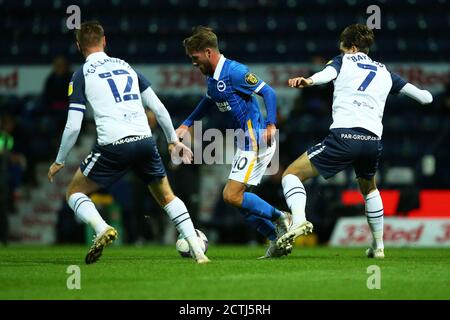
{"type": "Point", "coordinates": [113, 89]}
{"type": "Point", "coordinates": [360, 92]}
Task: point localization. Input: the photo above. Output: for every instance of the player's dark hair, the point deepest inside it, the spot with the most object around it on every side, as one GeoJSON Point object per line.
{"type": "Point", "coordinates": [90, 34]}
{"type": "Point", "coordinates": [202, 37]}
{"type": "Point", "coordinates": [358, 35]}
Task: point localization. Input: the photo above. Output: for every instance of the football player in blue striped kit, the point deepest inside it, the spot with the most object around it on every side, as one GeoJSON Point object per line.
{"type": "Point", "coordinates": [117, 95]}
{"type": "Point", "coordinates": [361, 87]}
{"type": "Point", "coordinates": [230, 88]}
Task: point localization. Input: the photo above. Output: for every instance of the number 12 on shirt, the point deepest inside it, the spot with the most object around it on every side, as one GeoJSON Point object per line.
{"type": "Point", "coordinates": [109, 77]}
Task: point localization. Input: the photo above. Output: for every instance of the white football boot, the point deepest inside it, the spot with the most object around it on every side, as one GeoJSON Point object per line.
{"type": "Point", "coordinates": [273, 251]}
{"type": "Point", "coordinates": [282, 226]}
{"type": "Point", "coordinates": [294, 231]}
{"type": "Point", "coordinates": [196, 251]}
{"type": "Point", "coordinates": [375, 253]}
{"type": "Point", "coordinates": [200, 257]}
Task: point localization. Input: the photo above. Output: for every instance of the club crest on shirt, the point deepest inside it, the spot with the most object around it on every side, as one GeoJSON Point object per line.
{"type": "Point", "coordinates": [221, 86]}
{"type": "Point", "coordinates": [251, 78]}
{"type": "Point", "coordinates": [70, 89]}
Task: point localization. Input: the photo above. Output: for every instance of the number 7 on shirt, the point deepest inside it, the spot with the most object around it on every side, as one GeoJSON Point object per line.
{"type": "Point", "coordinates": [369, 77]}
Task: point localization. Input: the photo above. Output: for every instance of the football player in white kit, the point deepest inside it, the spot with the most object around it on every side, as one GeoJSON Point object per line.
{"type": "Point", "coordinates": [117, 95]}
{"type": "Point", "coordinates": [361, 87]}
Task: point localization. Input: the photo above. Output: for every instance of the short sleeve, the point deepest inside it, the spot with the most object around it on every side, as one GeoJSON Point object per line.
{"type": "Point", "coordinates": [143, 82]}
{"type": "Point", "coordinates": [397, 83]}
{"type": "Point", "coordinates": [336, 63]}
{"type": "Point", "coordinates": [245, 81]}
{"type": "Point", "coordinates": [77, 88]}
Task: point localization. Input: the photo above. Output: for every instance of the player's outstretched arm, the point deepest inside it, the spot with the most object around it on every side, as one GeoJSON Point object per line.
{"type": "Point", "coordinates": [400, 86]}
{"type": "Point", "coordinates": [270, 101]}
{"type": "Point", "coordinates": [326, 75]}
{"type": "Point", "coordinates": [300, 82]}
{"type": "Point", "coordinates": [422, 96]}
{"type": "Point", "coordinates": [69, 137]}
{"type": "Point", "coordinates": [151, 101]}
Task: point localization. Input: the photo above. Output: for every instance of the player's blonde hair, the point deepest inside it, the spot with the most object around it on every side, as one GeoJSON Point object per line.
{"type": "Point", "coordinates": [202, 37]}
{"type": "Point", "coordinates": [358, 35]}
{"type": "Point", "coordinates": [90, 34]}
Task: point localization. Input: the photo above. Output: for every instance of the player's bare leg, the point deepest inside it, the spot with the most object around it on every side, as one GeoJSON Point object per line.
{"type": "Point", "coordinates": [162, 192]}
{"type": "Point", "coordinates": [81, 183]}
{"type": "Point", "coordinates": [178, 213]}
{"type": "Point", "coordinates": [298, 171]}
{"type": "Point", "coordinates": [77, 198]}
{"type": "Point", "coordinates": [234, 193]}
{"type": "Point", "coordinates": [374, 213]}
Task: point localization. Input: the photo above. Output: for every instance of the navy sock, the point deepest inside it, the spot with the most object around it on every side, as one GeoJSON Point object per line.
{"type": "Point", "coordinates": [259, 207]}
{"type": "Point", "coordinates": [263, 226]}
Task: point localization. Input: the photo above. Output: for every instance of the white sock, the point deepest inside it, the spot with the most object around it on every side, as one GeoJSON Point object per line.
{"type": "Point", "coordinates": [194, 244]}
{"type": "Point", "coordinates": [295, 195]}
{"type": "Point", "coordinates": [84, 209]}
{"type": "Point", "coordinates": [374, 213]}
{"type": "Point", "coordinates": [178, 213]}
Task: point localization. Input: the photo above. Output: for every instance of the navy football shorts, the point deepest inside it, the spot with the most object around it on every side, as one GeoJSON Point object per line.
{"type": "Point", "coordinates": [106, 164]}
{"type": "Point", "coordinates": [344, 147]}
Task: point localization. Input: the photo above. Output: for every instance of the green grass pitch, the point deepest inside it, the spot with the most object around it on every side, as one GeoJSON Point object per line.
{"type": "Point", "coordinates": [158, 272]}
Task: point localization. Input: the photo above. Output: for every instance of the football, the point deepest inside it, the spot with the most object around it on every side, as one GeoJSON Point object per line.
{"type": "Point", "coordinates": [183, 246]}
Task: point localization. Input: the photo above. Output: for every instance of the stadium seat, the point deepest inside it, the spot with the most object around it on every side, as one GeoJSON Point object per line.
{"type": "Point", "coordinates": [316, 23]}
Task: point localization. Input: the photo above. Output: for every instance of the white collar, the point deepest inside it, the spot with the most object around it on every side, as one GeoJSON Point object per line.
{"type": "Point", "coordinates": [95, 55]}
{"type": "Point", "coordinates": [219, 67]}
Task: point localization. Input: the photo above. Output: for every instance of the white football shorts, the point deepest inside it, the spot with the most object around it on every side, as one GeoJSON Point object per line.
{"type": "Point", "coordinates": [249, 166]}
